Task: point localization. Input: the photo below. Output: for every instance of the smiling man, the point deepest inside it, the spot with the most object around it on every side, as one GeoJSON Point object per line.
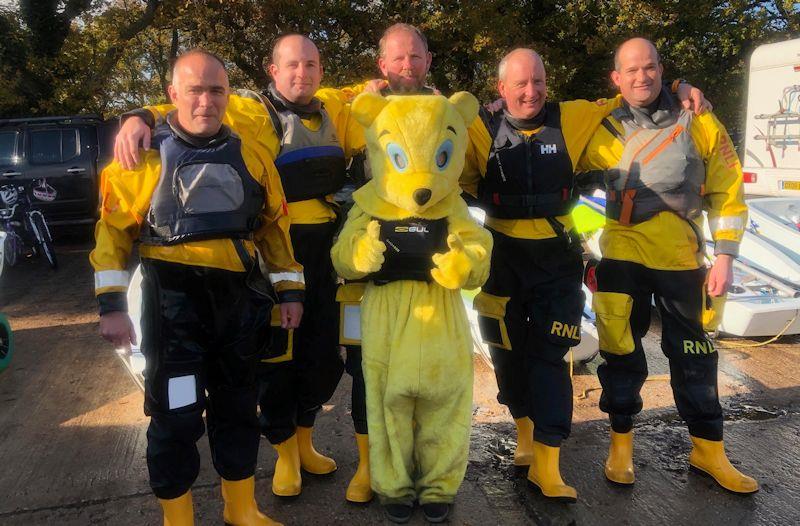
{"type": "Point", "coordinates": [665, 167]}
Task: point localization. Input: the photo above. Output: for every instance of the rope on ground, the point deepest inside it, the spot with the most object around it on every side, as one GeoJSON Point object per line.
{"type": "Point", "coordinates": [759, 344]}
{"type": "Point", "coordinates": [583, 395]}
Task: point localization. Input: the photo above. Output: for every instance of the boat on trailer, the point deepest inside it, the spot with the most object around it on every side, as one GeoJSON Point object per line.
{"type": "Point", "coordinates": [764, 299]}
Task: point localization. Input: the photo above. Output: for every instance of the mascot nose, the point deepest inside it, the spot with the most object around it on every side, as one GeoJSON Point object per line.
{"type": "Point", "coordinates": [422, 196]}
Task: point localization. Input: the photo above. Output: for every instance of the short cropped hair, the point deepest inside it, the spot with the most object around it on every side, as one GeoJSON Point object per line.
{"type": "Point", "coordinates": [501, 68]}
{"type": "Point", "coordinates": [193, 52]}
{"type": "Point", "coordinates": [616, 52]}
{"type": "Point", "coordinates": [400, 27]}
{"type": "Point", "coordinates": [277, 43]}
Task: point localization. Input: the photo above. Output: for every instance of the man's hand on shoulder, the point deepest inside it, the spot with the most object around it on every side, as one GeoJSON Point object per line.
{"type": "Point", "coordinates": [133, 133]}
{"type": "Point", "coordinates": [693, 99]}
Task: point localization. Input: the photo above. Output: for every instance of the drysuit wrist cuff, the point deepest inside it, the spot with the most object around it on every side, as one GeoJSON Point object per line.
{"type": "Point", "coordinates": [726, 246]}
{"type": "Point", "coordinates": [142, 113]}
{"type": "Point", "coordinates": [288, 296]}
{"type": "Point", "coordinates": [112, 302]}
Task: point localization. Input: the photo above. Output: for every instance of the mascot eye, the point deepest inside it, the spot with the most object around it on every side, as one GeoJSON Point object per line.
{"type": "Point", "coordinates": [397, 156]}
{"type": "Point", "coordinates": [444, 153]}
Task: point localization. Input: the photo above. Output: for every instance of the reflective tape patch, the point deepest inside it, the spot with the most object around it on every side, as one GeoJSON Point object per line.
{"type": "Point", "coordinates": [351, 329]}
{"type": "Point", "coordinates": [287, 276]}
{"type": "Point", "coordinates": [110, 278]}
{"type": "Point", "coordinates": [725, 223]}
{"type": "Point", "coordinates": [182, 391]}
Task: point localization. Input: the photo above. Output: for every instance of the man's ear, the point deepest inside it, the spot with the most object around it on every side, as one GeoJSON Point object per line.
{"type": "Point", "coordinates": [272, 69]}
{"type": "Point", "coordinates": [172, 92]}
{"type": "Point", "coordinates": [366, 108]}
{"type": "Point", "coordinates": [615, 77]}
{"type": "Point", "coordinates": [466, 105]}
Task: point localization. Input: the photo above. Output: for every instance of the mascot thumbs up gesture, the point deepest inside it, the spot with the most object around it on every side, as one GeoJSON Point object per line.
{"type": "Point", "coordinates": [410, 234]}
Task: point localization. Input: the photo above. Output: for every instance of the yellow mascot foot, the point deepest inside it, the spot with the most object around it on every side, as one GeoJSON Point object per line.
{"type": "Point", "coordinates": [709, 457]}
{"type": "Point", "coordinates": [619, 465]}
{"type": "Point", "coordinates": [286, 481]}
{"type": "Point", "coordinates": [545, 474]}
{"type": "Point", "coordinates": [179, 511]}
{"type": "Point", "coordinates": [310, 459]}
{"type": "Point", "coordinates": [359, 490]}
{"type": "Point", "coordinates": [523, 455]}
{"type": "Point", "coordinates": [240, 504]}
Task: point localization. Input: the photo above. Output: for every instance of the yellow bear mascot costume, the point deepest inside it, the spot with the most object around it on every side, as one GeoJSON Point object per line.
{"type": "Point", "coordinates": [410, 233]}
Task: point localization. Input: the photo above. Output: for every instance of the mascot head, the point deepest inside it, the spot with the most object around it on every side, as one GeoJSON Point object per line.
{"type": "Point", "coordinates": [416, 145]}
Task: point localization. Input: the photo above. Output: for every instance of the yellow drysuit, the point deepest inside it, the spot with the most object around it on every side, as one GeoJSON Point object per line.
{"type": "Point", "coordinates": [417, 352]}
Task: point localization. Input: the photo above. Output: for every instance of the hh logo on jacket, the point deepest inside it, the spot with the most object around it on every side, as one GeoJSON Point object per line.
{"type": "Point", "coordinates": [549, 149]}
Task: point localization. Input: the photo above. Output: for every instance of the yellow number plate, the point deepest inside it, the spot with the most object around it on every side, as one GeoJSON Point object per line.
{"type": "Point", "coordinates": [790, 185]}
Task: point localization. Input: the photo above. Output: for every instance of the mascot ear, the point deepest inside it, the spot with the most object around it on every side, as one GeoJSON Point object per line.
{"type": "Point", "coordinates": [366, 107]}
{"type": "Point", "coordinates": [467, 106]}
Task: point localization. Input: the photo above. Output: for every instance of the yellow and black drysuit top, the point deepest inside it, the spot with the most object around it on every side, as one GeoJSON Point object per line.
{"type": "Point", "coordinates": [523, 175]}
{"type": "Point", "coordinates": [663, 170]}
{"type": "Point", "coordinates": [310, 153]}
{"type": "Point", "coordinates": [129, 196]}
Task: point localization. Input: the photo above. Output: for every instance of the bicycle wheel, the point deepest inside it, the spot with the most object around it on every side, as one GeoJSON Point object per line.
{"type": "Point", "coordinates": [43, 239]}
{"type": "Point", "coordinates": [6, 342]}
{"type": "Point", "coordinates": [10, 250]}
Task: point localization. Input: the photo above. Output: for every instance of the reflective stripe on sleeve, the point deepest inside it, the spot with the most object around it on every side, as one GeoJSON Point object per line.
{"type": "Point", "coordinates": [110, 278]}
{"type": "Point", "coordinates": [725, 223]}
{"type": "Point", "coordinates": [287, 276]}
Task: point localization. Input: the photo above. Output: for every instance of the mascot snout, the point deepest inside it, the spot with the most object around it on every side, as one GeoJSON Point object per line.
{"type": "Point", "coordinates": [422, 196]}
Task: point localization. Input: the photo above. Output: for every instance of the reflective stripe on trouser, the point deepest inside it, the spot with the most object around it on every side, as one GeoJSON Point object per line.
{"type": "Point", "coordinates": [292, 391]}
{"type": "Point", "coordinates": [358, 393]}
{"type": "Point", "coordinates": [201, 333]}
{"type": "Point", "coordinates": [692, 357]}
{"type": "Point", "coordinates": [417, 361]}
{"type": "Point", "coordinates": [542, 278]}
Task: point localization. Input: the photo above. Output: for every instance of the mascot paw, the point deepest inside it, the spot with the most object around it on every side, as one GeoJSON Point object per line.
{"type": "Point", "coordinates": [454, 266]}
{"type": "Point", "coordinates": [368, 255]}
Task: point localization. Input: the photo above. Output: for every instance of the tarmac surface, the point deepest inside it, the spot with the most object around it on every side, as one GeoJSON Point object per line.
{"type": "Point", "coordinates": [73, 435]}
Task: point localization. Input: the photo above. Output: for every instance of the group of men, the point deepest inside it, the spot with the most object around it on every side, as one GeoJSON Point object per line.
{"type": "Point", "coordinates": [230, 188]}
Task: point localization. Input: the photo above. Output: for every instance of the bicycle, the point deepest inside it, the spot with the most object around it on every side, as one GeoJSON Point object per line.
{"type": "Point", "coordinates": [23, 225]}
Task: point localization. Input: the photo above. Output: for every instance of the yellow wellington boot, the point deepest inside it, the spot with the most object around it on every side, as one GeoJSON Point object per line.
{"type": "Point", "coordinates": [545, 473]}
{"type": "Point", "coordinates": [240, 504]}
{"type": "Point", "coordinates": [523, 455]}
{"type": "Point", "coordinates": [619, 465]}
{"type": "Point", "coordinates": [310, 459]}
{"type": "Point", "coordinates": [709, 457]}
{"type": "Point", "coordinates": [179, 511]}
{"type": "Point", "coordinates": [359, 489]}
{"type": "Point", "coordinates": [286, 481]}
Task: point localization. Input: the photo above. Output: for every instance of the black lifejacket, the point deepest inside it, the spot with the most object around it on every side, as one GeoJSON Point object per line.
{"type": "Point", "coordinates": [410, 246]}
{"type": "Point", "coordinates": [527, 177]}
{"type": "Point", "coordinates": [204, 192]}
{"type": "Point", "coordinates": [311, 163]}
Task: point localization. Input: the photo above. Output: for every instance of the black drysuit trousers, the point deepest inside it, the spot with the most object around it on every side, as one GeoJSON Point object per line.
{"type": "Point", "coordinates": [294, 386]}
{"type": "Point", "coordinates": [679, 297]}
{"type": "Point", "coordinates": [202, 333]}
{"type": "Point", "coordinates": [540, 283]}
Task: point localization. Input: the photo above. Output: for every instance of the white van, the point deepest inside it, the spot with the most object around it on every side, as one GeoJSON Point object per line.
{"type": "Point", "coordinates": [771, 160]}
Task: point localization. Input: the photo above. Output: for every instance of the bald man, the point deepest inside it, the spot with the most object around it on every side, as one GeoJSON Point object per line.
{"type": "Point", "coordinates": [310, 135]}
{"type": "Point", "coordinates": [666, 166]}
{"type": "Point", "coordinates": [202, 192]}
{"type": "Point", "coordinates": [522, 172]}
